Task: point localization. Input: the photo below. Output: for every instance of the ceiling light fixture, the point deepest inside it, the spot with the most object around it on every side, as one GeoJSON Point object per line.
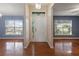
{"type": "Point", "coordinates": [0, 15]}
{"type": "Point", "coordinates": [38, 6]}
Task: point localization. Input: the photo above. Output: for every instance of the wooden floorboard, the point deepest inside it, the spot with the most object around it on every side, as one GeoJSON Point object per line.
{"type": "Point", "coordinates": [62, 47]}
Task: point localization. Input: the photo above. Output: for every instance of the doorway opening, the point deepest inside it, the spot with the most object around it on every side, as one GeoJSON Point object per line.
{"type": "Point", "coordinates": [39, 27]}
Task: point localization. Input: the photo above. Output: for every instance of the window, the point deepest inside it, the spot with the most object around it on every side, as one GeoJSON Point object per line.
{"type": "Point", "coordinates": [14, 27]}
{"type": "Point", "coordinates": [63, 27]}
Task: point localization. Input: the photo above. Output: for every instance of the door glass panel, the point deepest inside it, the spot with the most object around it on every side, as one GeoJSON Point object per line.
{"type": "Point", "coordinates": [18, 23]}
{"type": "Point", "coordinates": [9, 23]}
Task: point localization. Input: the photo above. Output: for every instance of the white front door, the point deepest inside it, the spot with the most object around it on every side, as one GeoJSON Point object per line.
{"type": "Point", "coordinates": [39, 26]}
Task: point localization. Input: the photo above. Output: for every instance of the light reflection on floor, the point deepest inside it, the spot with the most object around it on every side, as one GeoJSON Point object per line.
{"type": "Point", "coordinates": [14, 48]}
{"type": "Point", "coordinates": [63, 48]}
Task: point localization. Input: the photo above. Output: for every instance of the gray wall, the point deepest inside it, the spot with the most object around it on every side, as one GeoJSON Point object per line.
{"type": "Point", "coordinates": [12, 9]}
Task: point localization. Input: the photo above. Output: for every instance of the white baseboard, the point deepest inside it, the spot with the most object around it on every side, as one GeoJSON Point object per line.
{"type": "Point", "coordinates": [65, 37]}
{"type": "Point", "coordinates": [12, 38]}
{"type": "Point", "coordinates": [50, 45]}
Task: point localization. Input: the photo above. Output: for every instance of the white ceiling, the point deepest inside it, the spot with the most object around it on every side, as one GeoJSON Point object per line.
{"type": "Point", "coordinates": [17, 8]}
{"type": "Point", "coordinates": [12, 8]}
{"type": "Point", "coordinates": [66, 9]}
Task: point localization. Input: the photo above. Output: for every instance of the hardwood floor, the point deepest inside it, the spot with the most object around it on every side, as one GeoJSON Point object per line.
{"type": "Point", "coordinates": [66, 47]}
{"type": "Point", "coordinates": [10, 47]}
{"type": "Point", "coordinates": [62, 47]}
{"type": "Point", "coordinates": [39, 49]}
